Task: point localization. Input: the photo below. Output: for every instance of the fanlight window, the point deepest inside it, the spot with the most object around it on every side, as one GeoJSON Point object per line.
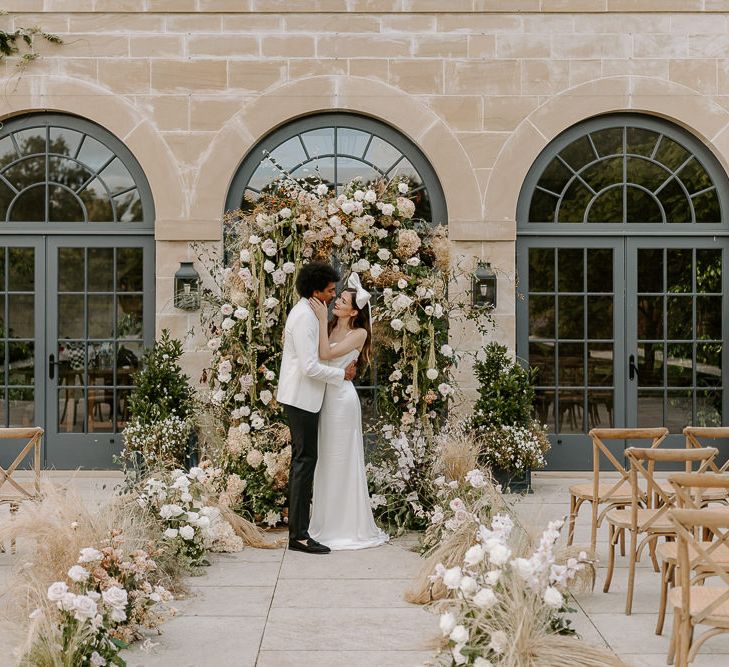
{"type": "Point", "coordinates": [56, 169]}
{"type": "Point", "coordinates": [336, 148]}
{"type": "Point", "coordinates": [627, 172]}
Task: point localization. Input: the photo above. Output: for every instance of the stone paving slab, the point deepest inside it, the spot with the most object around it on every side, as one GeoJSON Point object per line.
{"type": "Point", "coordinates": [343, 658]}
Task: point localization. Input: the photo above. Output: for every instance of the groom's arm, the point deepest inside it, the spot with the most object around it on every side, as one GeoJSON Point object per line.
{"type": "Point", "coordinates": [306, 345]}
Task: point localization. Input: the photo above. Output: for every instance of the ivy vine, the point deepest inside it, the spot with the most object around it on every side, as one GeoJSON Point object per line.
{"type": "Point", "coordinates": [11, 43]}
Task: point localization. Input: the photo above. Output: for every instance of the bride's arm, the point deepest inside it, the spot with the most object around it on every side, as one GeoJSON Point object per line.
{"type": "Point", "coordinates": [353, 341]}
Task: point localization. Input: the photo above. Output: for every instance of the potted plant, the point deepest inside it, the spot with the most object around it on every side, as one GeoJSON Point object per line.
{"type": "Point", "coordinates": [511, 442]}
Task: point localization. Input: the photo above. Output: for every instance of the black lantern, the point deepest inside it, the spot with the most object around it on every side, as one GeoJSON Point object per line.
{"type": "Point", "coordinates": [187, 287]}
{"type": "Point", "coordinates": [483, 286]}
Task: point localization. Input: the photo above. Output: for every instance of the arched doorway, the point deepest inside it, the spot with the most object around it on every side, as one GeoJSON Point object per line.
{"type": "Point", "coordinates": [621, 255]}
{"type": "Point", "coordinates": [76, 283]}
{"type": "Point", "coordinates": [338, 147]}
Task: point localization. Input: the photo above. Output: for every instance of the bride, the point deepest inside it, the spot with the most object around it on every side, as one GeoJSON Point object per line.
{"type": "Point", "coordinates": [341, 515]}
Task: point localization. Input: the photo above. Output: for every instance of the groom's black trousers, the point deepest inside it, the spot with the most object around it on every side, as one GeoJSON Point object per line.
{"type": "Point", "coordinates": [304, 450]}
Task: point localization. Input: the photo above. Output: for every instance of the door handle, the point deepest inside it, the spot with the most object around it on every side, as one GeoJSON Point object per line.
{"type": "Point", "coordinates": [632, 368]}
{"type": "Point", "coordinates": [51, 366]}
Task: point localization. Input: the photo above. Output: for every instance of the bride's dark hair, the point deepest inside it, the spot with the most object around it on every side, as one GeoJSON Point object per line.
{"type": "Point", "coordinates": [360, 321]}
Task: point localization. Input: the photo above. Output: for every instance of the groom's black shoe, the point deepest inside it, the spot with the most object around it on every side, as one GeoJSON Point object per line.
{"type": "Point", "coordinates": [309, 546]}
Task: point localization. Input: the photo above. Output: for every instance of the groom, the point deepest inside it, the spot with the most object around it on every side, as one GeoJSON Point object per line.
{"type": "Point", "coordinates": [302, 381]}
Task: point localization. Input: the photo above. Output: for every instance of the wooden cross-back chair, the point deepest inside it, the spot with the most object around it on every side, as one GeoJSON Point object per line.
{"type": "Point", "coordinates": [648, 512]}
{"type": "Point", "coordinates": [695, 604]}
{"type": "Point", "coordinates": [690, 490]}
{"type": "Point", "coordinates": [696, 437]}
{"type": "Point", "coordinates": [611, 493]}
{"type": "Point", "coordinates": [13, 492]}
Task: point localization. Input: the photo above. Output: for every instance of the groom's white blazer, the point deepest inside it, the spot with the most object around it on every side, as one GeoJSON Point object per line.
{"type": "Point", "coordinates": [303, 377]}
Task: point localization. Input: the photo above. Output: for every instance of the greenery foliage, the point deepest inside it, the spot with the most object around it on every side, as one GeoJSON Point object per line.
{"type": "Point", "coordinates": [12, 42]}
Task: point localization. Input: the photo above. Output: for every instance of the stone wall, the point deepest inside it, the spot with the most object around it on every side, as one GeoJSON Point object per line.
{"type": "Point", "coordinates": [191, 85]}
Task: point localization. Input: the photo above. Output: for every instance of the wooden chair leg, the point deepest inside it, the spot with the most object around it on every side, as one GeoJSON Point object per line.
{"type": "Point", "coordinates": [684, 645]}
{"type": "Point", "coordinates": [14, 507]}
{"type": "Point", "coordinates": [675, 630]}
{"type": "Point", "coordinates": [611, 558]}
{"type": "Point", "coordinates": [573, 517]}
{"type": "Point", "coordinates": [664, 597]}
{"type": "Point", "coordinates": [631, 572]}
{"type": "Point", "coordinates": [593, 532]}
{"type": "Point", "coordinates": [652, 551]}
{"type": "Point", "coordinates": [622, 543]}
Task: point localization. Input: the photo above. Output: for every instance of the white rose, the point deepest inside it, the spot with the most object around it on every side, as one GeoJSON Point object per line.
{"type": "Point", "coordinates": [245, 255]}
{"type": "Point", "coordinates": [214, 344]}
{"type": "Point", "coordinates": [270, 375]}
{"type": "Point", "coordinates": [468, 586]}
{"type": "Point", "coordinates": [387, 209]}
{"type": "Point", "coordinates": [254, 458]}
{"type": "Point", "coordinates": [429, 310]}
{"type": "Point", "coordinates": [397, 325]}
{"type": "Point", "coordinates": [395, 376]}
{"type": "Point", "coordinates": [357, 245]}
{"type": "Point", "coordinates": [279, 277]}
{"type": "Point", "coordinates": [84, 608]}
{"type": "Point", "coordinates": [227, 324]}
{"type": "Point", "coordinates": [218, 396]}
{"type": "Point", "coordinates": [358, 195]}
{"type": "Point", "coordinates": [254, 240]}
{"type": "Point", "coordinates": [452, 577]}
{"type": "Point", "coordinates": [187, 532]}
{"type": "Point", "coordinates": [431, 373]}
{"type": "Point", "coordinates": [285, 213]}
{"type": "Point", "coordinates": [57, 590]}
{"type": "Point", "coordinates": [402, 188]}
{"type": "Point", "coordinates": [115, 597]}
{"type": "Point", "coordinates": [553, 598]}
{"type": "Point", "coordinates": [474, 555]}
{"type": "Point", "coordinates": [438, 310]}
{"type": "Point", "coordinates": [241, 313]}
{"type": "Point", "coordinates": [459, 634]}
{"type": "Point", "coordinates": [370, 196]}
{"type": "Point", "coordinates": [402, 283]}
{"type": "Point", "coordinates": [171, 533]}
{"type": "Point", "coordinates": [88, 555]}
{"type": "Point", "coordinates": [384, 254]}
{"type": "Point", "coordinates": [289, 267]}
{"type": "Point", "coordinates": [226, 309]}
{"type": "Point", "coordinates": [78, 573]}
{"type": "Point", "coordinates": [271, 302]}
{"type": "Point", "coordinates": [485, 598]}
{"type": "Point", "coordinates": [321, 189]}
{"type": "Point", "coordinates": [266, 397]}
{"type": "Point", "coordinates": [445, 389]}
{"type": "Point", "coordinates": [413, 261]}
{"type": "Point", "coordinates": [348, 207]}
{"type": "Point", "coordinates": [269, 266]}
{"type": "Point", "coordinates": [269, 247]}
{"type": "Point", "coordinates": [170, 511]}
{"type": "Point", "coordinates": [446, 350]}
{"type": "Point", "coordinates": [376, 271]}
{"type": "Point", "coordinates": [447, 623]}
{"type": "Point", "coordinates": [361, 266]}
{"type": "Point", "coordinates": [97, 660]}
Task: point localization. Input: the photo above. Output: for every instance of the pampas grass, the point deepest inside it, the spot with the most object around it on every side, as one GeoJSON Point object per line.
{"type": "Point", "coordinates": [457, 454]}
{"type": "Point", "coordinates": [251, 534]}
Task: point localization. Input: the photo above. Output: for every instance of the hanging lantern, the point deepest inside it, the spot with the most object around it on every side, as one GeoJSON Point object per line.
{"type": "Point", "coordinates": [187, 287]}
{"type": "Point", "coordinates": [483, 286]}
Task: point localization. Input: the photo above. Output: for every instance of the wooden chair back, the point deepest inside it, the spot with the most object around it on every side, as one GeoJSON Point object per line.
{"type": "Point", "coordinates": [690, 486]}
{"type": "Point", "coordinates": [694, 435]}
{"type": "Point", "coordinates": [599, 447]}
{"type": "Point", "coordinates": [694, 553]}
{"type": "Point", "coordinates": [664, 500]}
{"type": "Point", "coordinates": [11, 490]}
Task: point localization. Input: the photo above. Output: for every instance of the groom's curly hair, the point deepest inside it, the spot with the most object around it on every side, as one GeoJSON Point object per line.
{"type": "Point", "coordinates": [315, 277]}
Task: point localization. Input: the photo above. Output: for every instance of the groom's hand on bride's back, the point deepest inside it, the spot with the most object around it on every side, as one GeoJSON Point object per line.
{"type": "Point", "coordinates": [350, 371]}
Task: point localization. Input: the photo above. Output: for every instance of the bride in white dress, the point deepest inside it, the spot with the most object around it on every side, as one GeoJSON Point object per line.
{"type": "Point", "coordinates": [341, 516]}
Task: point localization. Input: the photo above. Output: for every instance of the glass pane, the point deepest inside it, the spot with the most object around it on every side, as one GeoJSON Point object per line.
{"type": "Point", "coordinates": [67, 172]}
{"type": "Point", "coordinates": [679, 263]}
{"type": "Point", "coordinates": [650, 270]}
{"type": "Point", "coordinates": [680, 317]}
{"type": "Point", "coordinates": [541, 269]}
{"type": "Point", "coordinates": [573, 205]}
{"type": "Point", "coordinates": [64, 206]}
{"type": "Point", "coordinates": [21, 316]}
{"type": "Point", "coordinates": [640, 141]}
{"type": "Point", "coordinates": [708, 408]}
{"type": "Point", "coordinates": [650, 317]}
{"type": "Point", "coordinates": [679, 365]}
{"type": "Point", "coordinates": [21, 272]}
{"type": "Point", "coordinates": [708, 364]}
{"type": "Point", "coordinates": [21, 406]}
{"type": "Point", "coordinates": [71, 413]}
{"type": "Point", "coordinates": [578, 153]}
{"type": "Point", "coordinates": [32, 140]}
{"type": "Point", "coordinates": [64, 141]}
{"type": "Point", "coordinates": [604, 173]}
{"type": "Point", "coordinates": [608, 207]}
{"type": "Point", "coordinates": [101, 316]}
{"type": "Point", "coordinates": [71, 358]}
{"type": "Point", "coordinates": [382, 154]}
{"type": "Point", "coordinates": [600, 364]}
{"type": "Point", "coordinates": [101, 363]}
{"type": "Point", "coordinates": [71, 316]}
{"type": "Point", "coordinates": [544, 408]}
{"type": "Point", "coordinates": [599, 270]}
{"type": "Point", "coordinates": [7, 151]}
{"type": "Point", "coordinates": [2, 373]}
{"type": "Point", "coordinates": [122, 408]}
{"type": "Point", "coordinates": [94, 154]}
{"type": "Point", "coordinates": [650, 364]}
{"type": "Point", "coordinates": [129, 207]}
{"type": "Point", "coordinates": [21, 366]}
{"type": "Point", "coordinates": [642, 207]}
{"type": "Point", "coordinates": [128, 361]}
{"type": "Point", "coordinates": [571, 317]}
{"type": "Point", "coordinates": [318, 169]}
{"type": "Point", "coordinates": [129, 269]}
{"type": "Point", "coordinates": [650, 408]}
{"type": "Point", "coordinates": [348, 169]}
{"type": "Point", "coordinates": [571, 364]}
{"type": "Point", "coordinates": [609, 141]}
{"type": "Point", "coordinates": [555, 177]}
{"type": "Point", "coordinates": [351, 142]}
{"type": "Point", "coordinates": [97, 202]}
{"type": "Point", "coordinates": [571, 411]}
{"type": "Point", "coordinates": [2, 268]}
{"type": "Point", "coordinates": [645, 173]}
{"type": "Point", "coordinates": [3, 333]}
{"type": "Point", "coordinates": [542, 207]}
{"type": "Point", "coordinates": [675, 203]}
{"type": "Point", "coordinates": [706, 207]}
{"type": "Point", "coordinates": [71, 266]}
{"type": "Point", "coordinates": [708, 270]}
{"type": "Point", "coordinates": [600, 406]}
{"type": "Point", "coordinates": [100, 410]}
{"type": "Point", "coordinates": [318, 142]}
{"type": "Point", "coordinates": [599, 317]}
{"type": "Point", "coordinates": [129, 316]}
{"type": "Point", "coordinates": [405, 169]}
{"type": "Point", "coordinates": [570, 262]}
{"type": "Point", "coordinates": [541, 357]}
{"type": "Point", "coordinates": [694, 176]}
{"type": "Point", "coordinates": [101, 270]}
{"type": "Point", "coordinates": [541, 317]}
{"type": "Point", "coordinates": [708, 317]}
{"type": "Point", "coordinates": [679, 410]}
{"type": "Point", "coordinates": [116, 177]}
{"type": "Point", "coordinates": [671, 154]}
{"type": "Point", "coordinates": [265, 173]}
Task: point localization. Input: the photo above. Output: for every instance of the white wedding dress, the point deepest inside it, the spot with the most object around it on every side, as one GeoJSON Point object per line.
{"type": "Point", "coordinates": [341, 517]}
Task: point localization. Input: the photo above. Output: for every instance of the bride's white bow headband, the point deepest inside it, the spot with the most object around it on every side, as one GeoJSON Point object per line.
{"type": "Point", "coordinates": [362, 297]}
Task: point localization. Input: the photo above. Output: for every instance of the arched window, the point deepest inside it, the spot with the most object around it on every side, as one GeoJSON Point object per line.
{"type": "Point", "coordinates": [624, 169]}
{"type": "Point", "coordinates": [57, 169]}
{"type": "Point", "coordinates": [336, 148]}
